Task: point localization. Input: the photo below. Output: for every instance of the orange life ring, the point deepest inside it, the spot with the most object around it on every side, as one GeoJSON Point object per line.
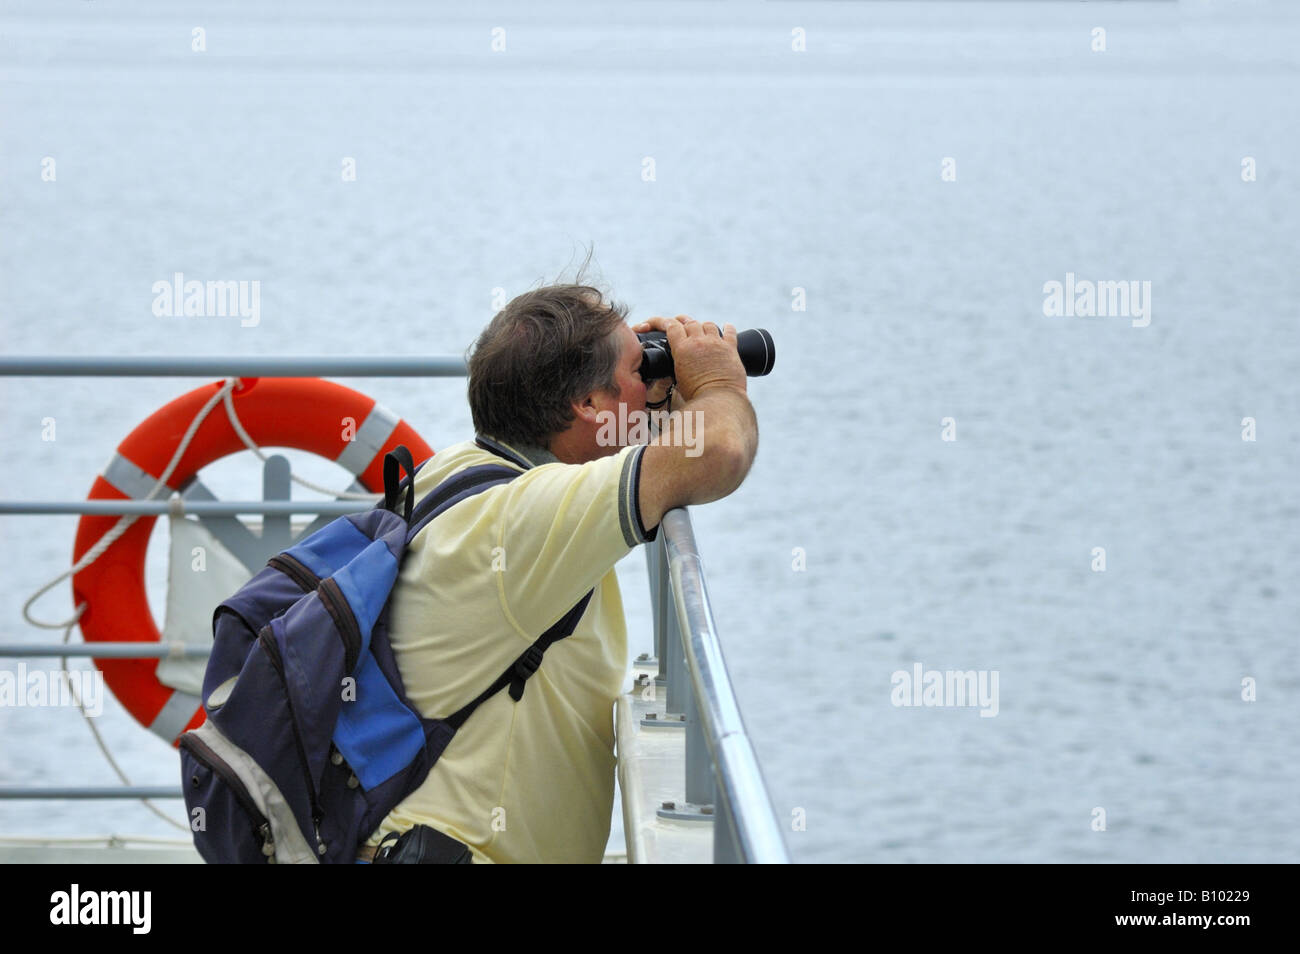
{"type": "Point", "coordinates": [303, 413]}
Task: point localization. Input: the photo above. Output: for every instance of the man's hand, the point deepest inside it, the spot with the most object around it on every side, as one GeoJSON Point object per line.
{"type": "Point", "coordinates": [703, 355]}
{"type": "Point", "coordinates": [711, 383]}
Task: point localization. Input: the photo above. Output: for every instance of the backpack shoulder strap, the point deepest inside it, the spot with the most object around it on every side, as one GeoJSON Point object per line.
{"type": "Point", "coordinates": [454, 489]}
{"type": "Point", "coordinates": [457, 487]}
{"type": "Point", "coordinates": [467, 483]}
{"type": "Point", "coordinates": [528, 662]}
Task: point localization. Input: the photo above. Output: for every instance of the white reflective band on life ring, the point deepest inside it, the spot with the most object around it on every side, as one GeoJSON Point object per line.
{"type": "Point", "coordinates": [173, 717]}
{"type": "Point", "coordinates": [369, 439]}
{"type": "Point", "coordinates": [131, 480]}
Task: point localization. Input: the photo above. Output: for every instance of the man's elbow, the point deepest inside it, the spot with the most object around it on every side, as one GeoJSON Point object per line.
{"type": "Point", "coordinates": [730, 459]}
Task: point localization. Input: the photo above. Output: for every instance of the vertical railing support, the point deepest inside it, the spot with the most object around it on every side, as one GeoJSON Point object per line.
{"type": "Point", "coordinates": [656, 564]}
{"type": "Point", "coordinates": [674, 659]}
{"type": "Point", "coordinates": [277, 532]}
{"type": "Point", "coordinates": [699, 765]}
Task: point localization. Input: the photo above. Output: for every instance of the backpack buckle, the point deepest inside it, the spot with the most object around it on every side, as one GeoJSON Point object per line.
{"type": "Point", "coordinates": [524, 667]}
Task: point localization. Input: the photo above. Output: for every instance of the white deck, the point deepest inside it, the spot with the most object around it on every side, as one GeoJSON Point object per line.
{"type": "Point", "coordinates": [97, 850]}
{"type": "Point", "coordinates": [651, 771]}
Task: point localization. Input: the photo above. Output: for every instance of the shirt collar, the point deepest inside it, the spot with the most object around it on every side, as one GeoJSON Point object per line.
{"type": "Point", "coordinates": [525, 455]}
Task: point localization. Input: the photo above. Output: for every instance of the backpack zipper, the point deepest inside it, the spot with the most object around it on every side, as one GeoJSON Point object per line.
{"type": "Point", "coordinates": [205, 756]}
{"type": "Point", "coordinates": [267, 639]}
{"type": "Point", "coordinates": [295, 570]}
{"type": "Point", "coordinates": [344, 621]}
{"type": "Point", "coordinates": [331, 597]}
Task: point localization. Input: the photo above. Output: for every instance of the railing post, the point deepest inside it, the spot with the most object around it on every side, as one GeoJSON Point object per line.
{"type": "Point", "coordinates": [661, 601]}
{"type": "Point", "coordinates": [667, 635]}
{"type": "Point", "coordinates": [656, 563]}
{"type": "Point", "coordinates": [277, 531]}
{"type": "Point", "coordinates": [674, 660]}
{"type": "Point", "coordinates": [699, 765]}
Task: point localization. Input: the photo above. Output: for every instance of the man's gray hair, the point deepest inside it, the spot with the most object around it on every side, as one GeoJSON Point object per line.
{"type": "Point", "coordinates": [545, 350]}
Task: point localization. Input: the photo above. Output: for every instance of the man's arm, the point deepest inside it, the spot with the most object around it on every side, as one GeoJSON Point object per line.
{"type": "Point", "coordinates": [723, 429]}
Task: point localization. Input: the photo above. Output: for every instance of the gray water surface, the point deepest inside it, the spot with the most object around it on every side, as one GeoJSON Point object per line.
{"type": "Point", "coordinates": [774, 170]}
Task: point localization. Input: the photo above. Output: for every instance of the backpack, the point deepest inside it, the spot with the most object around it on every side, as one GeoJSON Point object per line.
{"type": "Point", "coordinates": [310, 739]}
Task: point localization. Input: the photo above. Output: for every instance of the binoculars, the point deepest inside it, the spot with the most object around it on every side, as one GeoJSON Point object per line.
{"type": "Point", "coordinates": [756, 347]}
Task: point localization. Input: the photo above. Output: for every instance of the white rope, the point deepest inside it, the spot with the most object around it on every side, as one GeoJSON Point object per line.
{"type": "Point", "coordinates": [113, 535]}
{"type": "Point", "coordinates": [67, 633]}
{"type": "Point", "coordinates": [107, 540]}
{"type": "Point", "coordinates": [93, 554]}
{"type": "Point", "coordinates": [124, 524]}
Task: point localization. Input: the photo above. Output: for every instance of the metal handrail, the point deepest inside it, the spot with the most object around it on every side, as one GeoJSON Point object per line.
{"type": "Point", "coordinates": [180, 507]}
{"type": "Point", "coordinates": [127, 650]}
{"type": "Point", "coordinates": [746, 829]}
{"type": "Point", "coordinates": [91, 792]}
{"type": "Point", "coordinates": [235, 366]}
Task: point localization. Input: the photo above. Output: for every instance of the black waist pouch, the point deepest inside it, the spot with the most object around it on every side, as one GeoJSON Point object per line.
{"type": "Point", "coordinates": [422, 845]}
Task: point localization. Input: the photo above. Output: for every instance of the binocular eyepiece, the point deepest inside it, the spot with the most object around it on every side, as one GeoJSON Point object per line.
{"type": "Point", "coordinates": [756, 347]}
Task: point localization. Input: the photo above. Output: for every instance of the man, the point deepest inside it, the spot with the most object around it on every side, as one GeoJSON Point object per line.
{"type": "Point", "coordinates": [533, 780]}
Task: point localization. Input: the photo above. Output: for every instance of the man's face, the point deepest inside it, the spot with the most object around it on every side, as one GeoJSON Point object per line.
{"type": "Point", "coordinates": [629, 387]}
{"type": "Point", "coordinates": [595, 431]}
{"type": "Point", "coordinates": [629, 391]}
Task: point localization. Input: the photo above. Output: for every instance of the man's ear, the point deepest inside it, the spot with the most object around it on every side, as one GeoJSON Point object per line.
{"type": "Point", "coordinates": [586, 409]}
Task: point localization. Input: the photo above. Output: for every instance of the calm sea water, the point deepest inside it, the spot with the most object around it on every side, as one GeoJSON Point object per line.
{"type": "Point", "coordinates": [774, 170]}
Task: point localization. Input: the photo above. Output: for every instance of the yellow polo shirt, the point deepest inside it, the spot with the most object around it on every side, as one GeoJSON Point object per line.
{"type": "Point", "coordinates": [531, 781]}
